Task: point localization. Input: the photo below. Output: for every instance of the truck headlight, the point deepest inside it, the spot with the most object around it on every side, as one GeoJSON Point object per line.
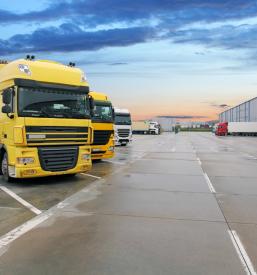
{"type": "Point", "coordinates": [25, 160]}
{"type": "Point", "coordinates": [111, 148]}
{"type": "Point", "coordinates": [86, 157]}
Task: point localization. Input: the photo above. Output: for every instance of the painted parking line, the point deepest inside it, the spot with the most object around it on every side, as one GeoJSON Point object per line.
{"type": "Point", "coordinates": [16, 233]}
{"type": "Point", "coordinates": [199, 161]}
{"type": "Point", "coordinates": [21, 200]}
{"type": "Point", "coordinates": [207, 179]}
{"type": "Point", "coordinates": [212, 189]}
{"type": "Point", "coordinates": [11, 236]}
{"type": "Point", "coordinates": [242, 254]}
{"type": "Point", "coordinates": [115, 162]}
{"type": "Point", "coordinates": [89, 175]}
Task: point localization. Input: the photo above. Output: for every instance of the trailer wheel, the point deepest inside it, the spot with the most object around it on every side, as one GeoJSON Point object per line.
{"type": "Point", "coordinates": [5, 169]}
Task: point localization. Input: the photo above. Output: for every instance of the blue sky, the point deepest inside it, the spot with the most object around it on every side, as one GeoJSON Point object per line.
{"type": "Point", "coordinates": [161, 57]}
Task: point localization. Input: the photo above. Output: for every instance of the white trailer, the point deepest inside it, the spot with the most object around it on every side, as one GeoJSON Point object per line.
{"type": "Point", "coordinates": [140, 127]}
{"type": "Point", "coordinates": [242, 128]}
{"type": "Point", "coordinates": [146, 127]}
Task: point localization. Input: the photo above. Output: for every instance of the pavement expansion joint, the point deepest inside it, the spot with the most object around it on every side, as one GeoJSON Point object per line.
{"type": "Point", "coordinates": [157, 217]}
{"type": "Point", "coordinates": [163, 190]}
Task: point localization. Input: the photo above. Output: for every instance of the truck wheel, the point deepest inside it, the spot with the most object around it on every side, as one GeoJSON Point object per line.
{"type": "Point", "coordinates": [4, 168]}
{"type": "Point", "coordinates": [96, 160]}
{"type": "Point", "coordinates": [71, 175]}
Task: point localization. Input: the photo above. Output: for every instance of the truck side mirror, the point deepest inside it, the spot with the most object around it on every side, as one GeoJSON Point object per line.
{"type": "Point", "coordinates": [113, 114]}
{"type": "Point", "coordinates": [91, 105]}
{"type": "Point", "coordinates": [6, 109]}
{"type": "Point", "coordinates": [7, 96]}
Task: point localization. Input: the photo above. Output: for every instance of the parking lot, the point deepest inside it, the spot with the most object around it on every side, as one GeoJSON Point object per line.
{"type": "Point", "coordinates": [169, 204]}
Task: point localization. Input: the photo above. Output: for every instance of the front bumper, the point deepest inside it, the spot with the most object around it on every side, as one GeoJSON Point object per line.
{"type": "Point", "coordinates": [120, 141]}
{"type": "Point", "coordinates": [35, 170]}
{"type": "Point", "coordinates": [102, 151]}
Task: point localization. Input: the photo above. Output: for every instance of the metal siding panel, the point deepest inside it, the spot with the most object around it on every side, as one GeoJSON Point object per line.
{"type": "Point", "coordinates": [254, 110]}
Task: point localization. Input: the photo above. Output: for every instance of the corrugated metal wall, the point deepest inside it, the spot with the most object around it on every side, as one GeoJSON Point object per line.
{"type": "Point", "coordinates": [245, 112]}
{"type": "Point", "coordinates": [166, 123]}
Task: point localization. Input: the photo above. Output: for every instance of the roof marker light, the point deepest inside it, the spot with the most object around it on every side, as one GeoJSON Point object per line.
{"type": "Point", "coordinates": [83, 77]}
{"type": "Point", "coordinates": [24, 69]}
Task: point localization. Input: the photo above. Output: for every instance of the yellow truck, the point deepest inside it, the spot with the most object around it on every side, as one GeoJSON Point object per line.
{"type": "Point", "coordinates": [102, 121]}
{"type": "Point", "coordinates": [45, 121]}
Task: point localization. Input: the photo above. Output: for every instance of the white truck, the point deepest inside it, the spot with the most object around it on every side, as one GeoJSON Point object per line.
{"type": "Point", "coordinates": [242, 128]}
{"type": "Point", "coordinates": [154, 128]}
{"type": "Point", "coordinates": [122, 127]}
{"type": "Point", "coordinates": [146, 127]}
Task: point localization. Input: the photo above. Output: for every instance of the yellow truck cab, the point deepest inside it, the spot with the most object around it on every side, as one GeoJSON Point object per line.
{"type": "Point", "coordinates": [45, 120]}
{"type": "Point", "coordinates": [102, 121]}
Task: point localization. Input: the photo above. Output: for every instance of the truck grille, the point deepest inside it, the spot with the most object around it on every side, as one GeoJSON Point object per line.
{"type": "Point", "coordinates": [123, 133]}
{"type": "Point", "coordinates": [58, 158]}
{"type": "Point", "coordinates": [101, 137]}
{"type": "Point", "coordinates": [39, 135]}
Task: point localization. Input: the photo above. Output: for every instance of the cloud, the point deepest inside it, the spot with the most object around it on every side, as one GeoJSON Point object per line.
{"type": "Point", "coordinates": [182, 116]}
{"type": "Point", "coordinates": [145, 20]}
{"type": "Point", "coordinates": [102, 12]}
{"type": "Point", "coordinates": [69, 37]}
{"type": "Point", "coordinates": [229, 37]}
{"type": "Point", "coordinates": [217, 105]}
{"type": "Point", "coordinates": [118, 64]}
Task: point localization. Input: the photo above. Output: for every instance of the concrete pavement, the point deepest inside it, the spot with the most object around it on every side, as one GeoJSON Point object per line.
{"type": "Point", "coordinates": [152, 212]}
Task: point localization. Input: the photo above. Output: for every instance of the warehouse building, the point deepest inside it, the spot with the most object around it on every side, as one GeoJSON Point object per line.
{"type": "Point", "coordinates": [245, 112]}
{"type": "Point", "coordinates": [167, 122]}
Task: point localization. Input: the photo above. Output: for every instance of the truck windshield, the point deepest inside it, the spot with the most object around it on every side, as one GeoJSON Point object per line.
{"type": "Point", "coordinates": [103, 112]}
{"type": "Point", "coordinates": [42, 102]}
{"type": "Point", "coordinates": [122, 119]}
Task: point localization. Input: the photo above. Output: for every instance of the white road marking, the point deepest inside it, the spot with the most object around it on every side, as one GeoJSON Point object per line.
{"type": "Point", "coordinates": [6, 239]}
{"type": "Point", "coordinates": [212, 189]}
{"type": "Point", "coordinates": [114, 162]}
{"type": "Point", "coordinates": [61, 205]}
{"type": "Point", "coordinates": [20, 200]}
{"type": "Point", "coordinates": [246, 262]}
{"type": "Point", "coordinates": [199, 161]}
{"type": "Point", "coordinates": [11, 236]}
{"type": "Point", "coordinates": [252, 157]}
{"type": "Point", "coordinates": [173, 149]}
{"type": "Point", "coordinates": [89, 175]}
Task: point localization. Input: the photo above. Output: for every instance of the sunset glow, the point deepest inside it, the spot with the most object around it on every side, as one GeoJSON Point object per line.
{"type": "Point", "coordinates": [191, 58]}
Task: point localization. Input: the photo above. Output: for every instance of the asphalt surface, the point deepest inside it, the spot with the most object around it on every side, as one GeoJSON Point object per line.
{"type": "Point", "coordinates": [169, 204]}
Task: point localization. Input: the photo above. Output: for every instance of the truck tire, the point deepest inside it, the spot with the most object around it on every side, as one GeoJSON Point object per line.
{"type": "Point", "coordinates": [5, 169]}
{"type": "Point", "coordinates": [96, 160]}
{"type": "Point", "coordinates": [71, 175]}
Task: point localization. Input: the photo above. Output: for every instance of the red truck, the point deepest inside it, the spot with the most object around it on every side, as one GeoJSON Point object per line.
{"type": "Point", "coordinates": [222, 129]}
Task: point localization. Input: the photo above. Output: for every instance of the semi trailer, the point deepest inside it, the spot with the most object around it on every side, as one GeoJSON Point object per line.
{"type": "Point", "coordinates": [103, 125]}
{"type": "Point", "coordinates": [45, 122]}
{"type": "Point", "coordinates": [140, 127]}
{"type": "Point", "coordinates": [122, 127]}
{"type": "Point", "coordinates": [236, 129]}
{"type": "Point", "coordinates": [146, 127]}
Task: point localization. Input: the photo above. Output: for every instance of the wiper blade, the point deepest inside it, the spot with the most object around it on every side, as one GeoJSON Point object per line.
{"type": "Point", "coordinates": [44, 112]}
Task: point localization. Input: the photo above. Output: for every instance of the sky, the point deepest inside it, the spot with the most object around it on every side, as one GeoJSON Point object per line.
{"type": "Point", "coordinates": [155, 57]}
